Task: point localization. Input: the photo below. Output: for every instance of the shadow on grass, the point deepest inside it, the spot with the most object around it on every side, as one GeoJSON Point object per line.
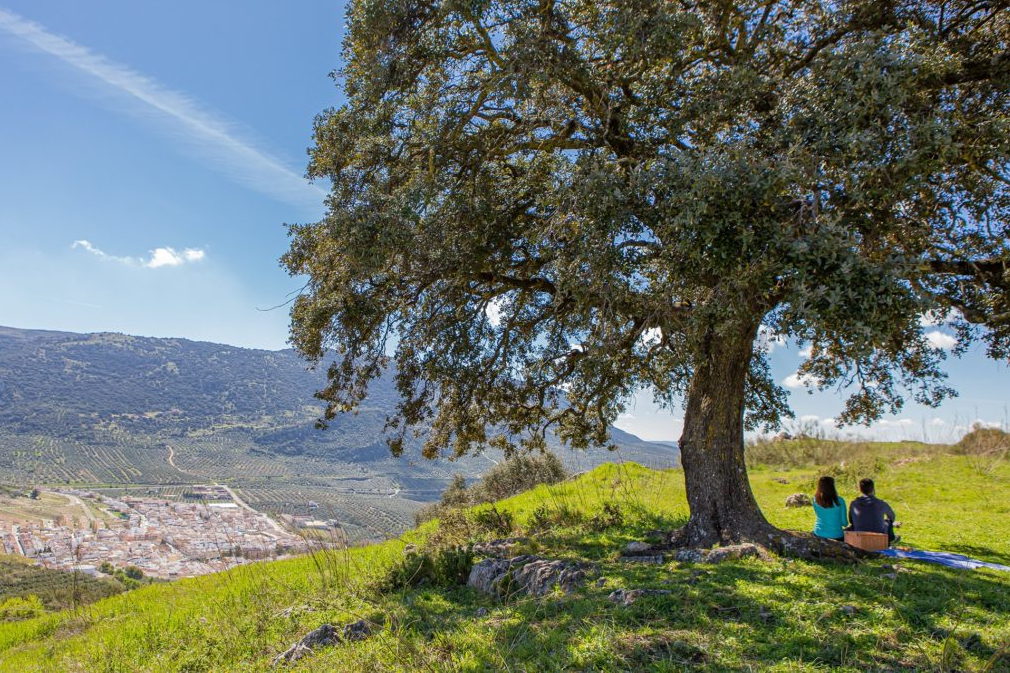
{"type": "Point", "coordinates": [979, 552]}
{"type": "Point", "coordinates": [728, 617]}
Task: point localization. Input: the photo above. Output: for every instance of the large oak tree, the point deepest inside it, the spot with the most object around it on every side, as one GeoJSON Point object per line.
{"type": "Point", "coordinates": [543, 206]}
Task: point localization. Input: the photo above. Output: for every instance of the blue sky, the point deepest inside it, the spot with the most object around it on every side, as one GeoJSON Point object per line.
{"type": "Point", "coordinates": [150, 154]}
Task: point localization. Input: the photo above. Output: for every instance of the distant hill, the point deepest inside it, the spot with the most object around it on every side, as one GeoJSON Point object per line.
{"type": "Point", "coordinates": [115, 409]}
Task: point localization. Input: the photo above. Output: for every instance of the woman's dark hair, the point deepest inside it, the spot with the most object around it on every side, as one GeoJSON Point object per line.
{"type": "Point", "coordinates": [826, 495]}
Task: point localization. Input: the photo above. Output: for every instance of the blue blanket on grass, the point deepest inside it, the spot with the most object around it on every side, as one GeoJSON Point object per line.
{"type": "Point", "coordinates": [944, 558]}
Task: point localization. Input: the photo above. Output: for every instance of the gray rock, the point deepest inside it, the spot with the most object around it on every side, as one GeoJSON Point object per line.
{"type": "Point", "coordinates": [780, 480]}
{"type": "Point", "coordinates": [539, 577]}
{"type": "Point", "coordinates": [358, 630]}
{"type": "Point", "coordinates": [890, 576]}
{"type": "Point", "coordinates": [798, 500]}
{"type": "Point", "coordinates": [602, 582]}
{"type": "Point", "coordinates": [323, 636]}
{"type": "Point", "coordinates": [849, 610]}
{"type": "Point", "coordinates": [733, 552]}
{"type": "Point", "coordinates": [637, 547]}
{"type": "Point", "coordinates": [488, 575]}
{"type": "Point", "coordinates": [629, 596]}
{"type": "Point", "coordinates": [481, 612]}
{"type": "Point", "coordinates": [690, 555]}
{"type": "Point", "coordinates": [292, 654]}
{"type": "Point", "coordinates": [719, 554]}
{"type": "Point", "coordinates": [530, 574]}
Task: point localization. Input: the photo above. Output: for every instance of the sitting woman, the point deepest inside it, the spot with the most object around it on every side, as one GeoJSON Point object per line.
{"type": "Point", "coordinates": [830, 510]}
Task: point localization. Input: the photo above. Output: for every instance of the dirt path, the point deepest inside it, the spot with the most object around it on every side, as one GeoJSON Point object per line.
{"type": "Point", "coordinates": [80, 503]}
{"type": "Point", "coordinates": [171, 459]}
{"type": "Point", "coordinates": [244, 505]}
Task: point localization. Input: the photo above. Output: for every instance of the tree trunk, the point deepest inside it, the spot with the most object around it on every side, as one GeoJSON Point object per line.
{"type": "Point", "coordinates": [723, 508]}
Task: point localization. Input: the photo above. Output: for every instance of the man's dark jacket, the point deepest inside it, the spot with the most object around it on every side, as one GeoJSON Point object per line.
{"type": "Point", "coordinates": [868, 513]}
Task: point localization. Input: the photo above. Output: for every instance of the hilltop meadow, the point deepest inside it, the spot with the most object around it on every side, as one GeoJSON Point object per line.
{"type": "Point", "coordinates": [750, 614]}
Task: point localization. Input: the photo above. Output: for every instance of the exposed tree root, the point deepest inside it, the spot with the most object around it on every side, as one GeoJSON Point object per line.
{"type": "Point", "coordinates": [792, 544]}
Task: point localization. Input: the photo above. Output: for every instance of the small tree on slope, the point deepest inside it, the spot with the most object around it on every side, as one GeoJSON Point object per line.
{"type": "Point", "coordinates": [544, 206]}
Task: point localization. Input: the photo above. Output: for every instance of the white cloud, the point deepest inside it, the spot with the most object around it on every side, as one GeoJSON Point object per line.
{"type": "Point", "coordinates": [941, 340]}
{"type": "Point", "coordinates": [807, 351]}
{"type": "Point", "coordinates": [169, 257]}
{"type": "Point", "coordinates": [651, 336]}
{"type": "Point", "coordinates": [201, 131]}
{"type": "Point", "coordinates": [797, 380]}
{"type": "Point", "coordinates": [86, 245]}
{"type": "Point", "coordinates": [159, 256]}
{"type": "Point", "coordinates": [936, 319]}
{"type": "Point", "coordinates": [493, 311]}
{"type": "Point", "coordinates": [895, 422]}
{"type": "Point", "coordinates": [938, 422]}
{"type": "Point", "coordinates": [768, 339]}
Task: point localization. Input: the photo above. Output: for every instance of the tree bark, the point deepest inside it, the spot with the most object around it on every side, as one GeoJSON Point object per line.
{"type": "Point", "coordinates": [723, 508]}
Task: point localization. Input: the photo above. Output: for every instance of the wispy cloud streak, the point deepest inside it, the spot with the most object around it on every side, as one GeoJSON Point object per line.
{"type": "Point", "coordinates": [217, 140]}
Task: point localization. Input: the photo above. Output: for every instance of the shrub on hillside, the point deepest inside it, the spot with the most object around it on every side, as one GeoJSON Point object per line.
{"type": "Point", "coordinates": [445, 567]}
{"type": "Point", "coordinates": [493, 521]}
{"type": "Point", "coordinates": [518, 474]}
{"type": "Point", "coordinates": [508, 478]}
{"type": "Point", "coordinates": [983, 440]}
{"type": "Point", "coordinates": [456, 494]}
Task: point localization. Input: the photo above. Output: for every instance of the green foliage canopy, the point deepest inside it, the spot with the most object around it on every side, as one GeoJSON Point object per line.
{"type": "Point", "coordinates": [542, 206]}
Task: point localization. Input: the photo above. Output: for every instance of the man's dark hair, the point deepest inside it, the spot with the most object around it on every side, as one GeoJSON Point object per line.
{"type": "Point", "coordinates": [866, 486]}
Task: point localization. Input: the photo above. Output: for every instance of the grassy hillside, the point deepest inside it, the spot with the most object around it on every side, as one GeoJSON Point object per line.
{"type": "Point", "coordinates": [778, 615]}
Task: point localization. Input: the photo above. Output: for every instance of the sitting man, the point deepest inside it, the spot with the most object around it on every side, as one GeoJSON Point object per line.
{"type": "Point", "coordinates": [870, 514]}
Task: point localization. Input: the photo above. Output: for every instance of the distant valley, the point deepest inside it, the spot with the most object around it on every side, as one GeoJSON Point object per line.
{"type": "Point", "coordinates": [153, 416]}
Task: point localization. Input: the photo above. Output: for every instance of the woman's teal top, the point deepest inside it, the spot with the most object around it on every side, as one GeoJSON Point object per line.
{"type": "Point", "coordinates": [831, 521]}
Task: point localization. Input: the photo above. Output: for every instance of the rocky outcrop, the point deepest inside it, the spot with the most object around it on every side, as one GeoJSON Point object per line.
{"type": "Point", "coordinates": [531, 575]}
{"type": "Point", "coordinates": [491, 574]}
{"type": "Point", "coordinates": [324, 636]}
{"type": "Point", "coordinates": [540, 577]}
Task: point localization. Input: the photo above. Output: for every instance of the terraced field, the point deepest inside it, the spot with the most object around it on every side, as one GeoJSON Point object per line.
{"type": "Point", "coordinates": [56, 589]}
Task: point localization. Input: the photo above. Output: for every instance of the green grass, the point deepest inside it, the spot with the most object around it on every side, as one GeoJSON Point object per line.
{"type": "Point", "coordinates": [782, 615]}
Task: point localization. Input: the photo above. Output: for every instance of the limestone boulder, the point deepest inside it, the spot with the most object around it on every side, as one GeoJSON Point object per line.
{"type": "Point", "coordinates": [798, 500]}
